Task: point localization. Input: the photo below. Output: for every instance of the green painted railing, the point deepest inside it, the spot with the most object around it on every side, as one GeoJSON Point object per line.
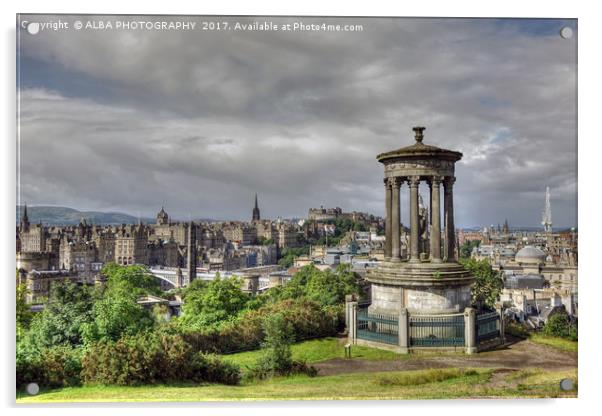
{"type": "Point", "coordinates": [377, 327]}
{"type": "Point", "coordinates": [437, 331]}
{"type": "Point", "coordinates": [488, 326]}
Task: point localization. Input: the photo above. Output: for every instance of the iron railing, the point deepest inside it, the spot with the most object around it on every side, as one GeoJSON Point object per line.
{"type": "Point", "coordinates": [488, 326]}
{"type": "Point", "coordinates": [437, 331]}
{"type": "Point", "coordinates": [378, 328]}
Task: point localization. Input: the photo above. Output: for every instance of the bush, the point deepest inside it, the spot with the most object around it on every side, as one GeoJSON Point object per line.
{"type": "Point", "coordinates": [148, 358]}
{"type": "Point", "coordinates": [516, 329]}
{"type": "Point", "coordinates": [307, 319]}
{"type": "Point", "coordinates": [559, 325]}
{"type": "Point", "coordinates": [53, 367]}
{"type": "Point", "coordinates": [277, 357]}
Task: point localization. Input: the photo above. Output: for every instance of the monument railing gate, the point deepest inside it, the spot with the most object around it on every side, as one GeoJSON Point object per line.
{"type": "Point", "coordinates": [436, 330]}
{"type": "Point", "coordinates": [377, 328]}
{"type": "Point", "coordinates": [469, 329]}
{"type": "Point", "coordinates": [488, 326]}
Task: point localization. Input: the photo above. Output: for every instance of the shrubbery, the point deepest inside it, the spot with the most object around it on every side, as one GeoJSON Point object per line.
{"type": "Point", "coordinates": [52, 367]}
{"type": "Point", "coordinates": [149, 358]}
{"type": "Point", "coordinates": [559, 325]}
{"type": "Point", "coordinates": [306, 318]}
{"type": "Point", "coordinates": [102, 335]}
{"type": "Point", "coordinates": [277, 357]}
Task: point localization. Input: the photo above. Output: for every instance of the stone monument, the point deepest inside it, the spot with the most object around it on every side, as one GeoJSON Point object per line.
{"type": "Point", "coordinates": [429, 281]}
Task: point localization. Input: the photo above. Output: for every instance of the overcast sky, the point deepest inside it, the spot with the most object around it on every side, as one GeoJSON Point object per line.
{"type": "Point", "coordinates": [198, 121]}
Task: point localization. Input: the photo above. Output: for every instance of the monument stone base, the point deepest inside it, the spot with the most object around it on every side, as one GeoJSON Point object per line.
{"type": "Point", "coordinates": [421, 288]}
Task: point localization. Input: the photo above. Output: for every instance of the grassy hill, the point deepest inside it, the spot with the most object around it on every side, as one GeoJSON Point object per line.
{"type": "Point", "coordinates": [52, 215]}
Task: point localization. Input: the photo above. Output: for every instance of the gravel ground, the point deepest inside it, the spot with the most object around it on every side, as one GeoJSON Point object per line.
{"type": "Point", "coordinates": [517, 354]}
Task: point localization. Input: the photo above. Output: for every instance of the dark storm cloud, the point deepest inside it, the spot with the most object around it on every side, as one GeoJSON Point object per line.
{"type": "Point", "coordinates": [200, 121]}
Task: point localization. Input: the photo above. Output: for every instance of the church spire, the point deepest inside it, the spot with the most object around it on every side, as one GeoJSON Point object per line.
{"type": "Point", "coordinates": [256, 216]}
{"type": "Point", "coordinates": [24, 220]}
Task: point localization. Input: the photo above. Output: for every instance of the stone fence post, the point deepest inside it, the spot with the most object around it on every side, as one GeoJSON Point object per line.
{"type": "Point", "coordinates": [500, 311]}
{"type": "Point", "coordinates": [470, 330]}
{"type": "Point", "coordinates": [351, 318]}
{"type": "Point", "coordinates": [403, 331]}
{"type": "Point", "coordinates": [348, 300]}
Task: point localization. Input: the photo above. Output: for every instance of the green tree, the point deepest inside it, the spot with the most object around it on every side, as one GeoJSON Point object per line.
{"type": "Point", "coordinates": [212, 303]}
{"type": "Point", "coordinates": [325, 287]}
{"type": "Point", "coordinates": [277, 357]}
{"type": "Point", "coordinates": [135, 277]}
{"type": "Point", "coordinates": [559, 325]}
{"type": "Point", "coordinates": [262, 241]}
{"type": "Point", "coordinates": [466, 248]}
{"type": "Point", "coordinates": [289, 255]}
{"type": "Point", "coordinates": [488, 282]}
{"type": "Point", "coordinates": [68, 309]}
{"type": "Point", "coordinates": [117, 312]}
{"type": "Point", "coordinates": [23, 311]}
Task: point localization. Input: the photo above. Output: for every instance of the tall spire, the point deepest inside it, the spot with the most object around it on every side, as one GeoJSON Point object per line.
{"type": "Point", "coordinates": [25, 218]}
{"type": "Point", "coordinates": [256, 216]}
{"type": "Point", "coordinates": [546, 220]}
{"type": "Point", "coordinates": [24, 223]}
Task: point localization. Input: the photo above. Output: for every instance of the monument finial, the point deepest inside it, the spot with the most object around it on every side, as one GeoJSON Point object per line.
{"type": "Point", "coordinates": [419, 135]}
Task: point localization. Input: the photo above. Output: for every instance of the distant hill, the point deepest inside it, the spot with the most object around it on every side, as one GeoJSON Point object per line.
{"type": "Point", "coordinates": [50, 215]}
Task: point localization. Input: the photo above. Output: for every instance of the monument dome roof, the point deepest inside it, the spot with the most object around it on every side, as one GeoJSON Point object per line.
{"type": "Point", "coordinates": [530, 254]}
{"type": "Point", "coordinates": [420, 150]}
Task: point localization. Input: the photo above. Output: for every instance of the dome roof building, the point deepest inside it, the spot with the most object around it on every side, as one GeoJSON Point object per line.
{"type": "Point", "coordinates": [530, 255]}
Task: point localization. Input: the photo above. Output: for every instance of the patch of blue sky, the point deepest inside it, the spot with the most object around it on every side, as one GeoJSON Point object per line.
{"type": "Point", "coordinates": [491, 102]}
{"type": "Point", "coordinates": [536, 26]}
{"type": "Point", "coordinates": [35, 73]}
{"type": "Point", "coordinates": [501, 136]}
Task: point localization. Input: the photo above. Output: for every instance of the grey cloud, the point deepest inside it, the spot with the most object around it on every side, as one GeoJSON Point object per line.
{"type": "Point", "coordinates": [202, 121]}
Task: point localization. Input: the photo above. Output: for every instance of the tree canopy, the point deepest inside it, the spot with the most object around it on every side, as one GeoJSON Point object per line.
{"type": "Point", "coordinates": [488, 282]}
{"type": "Point", "coordinates": [207, 304]}
{"type": "Point", "coordinates": [325, 287]}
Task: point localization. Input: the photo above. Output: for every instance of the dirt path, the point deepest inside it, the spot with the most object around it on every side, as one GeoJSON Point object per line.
{"type": "Point", "coordinates": [515, 355]}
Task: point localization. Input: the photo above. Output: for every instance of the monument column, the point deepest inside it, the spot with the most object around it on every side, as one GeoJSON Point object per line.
{"type": "Point", "coordinates": [450, 238]}
{"type": "Point", "coordinates": [414, 182]}
{"type": "Point", "coordinates": [388, 199]}
{"type": "Point", "coordinates": [395, 220]}
{"type": "Point", "coordinates": [435, 220]}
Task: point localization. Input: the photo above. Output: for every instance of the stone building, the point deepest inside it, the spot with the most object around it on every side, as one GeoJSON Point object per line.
{"type": "Point", "coordinates": [288, 236]}
{"type": "Point", "coordinates": [164, 253]}
{"type": "Point", "coordinates": [324, 214]}
{"type": "Point", "coordinates": [32, 238]}
{"type": "Point", "coordinates": [131, 245]}
{"type": "Point", "coordinates": [532, 260]}
{"type": "Point", "coordinates": [239, 232]}
{"type": "Point", "coordinates": [80, 256]}
{"type": "Point", "coordinates": [39, 282]}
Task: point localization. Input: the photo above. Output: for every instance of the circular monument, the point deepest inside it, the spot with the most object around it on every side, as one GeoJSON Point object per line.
{"type": "Point", "coordinates": [429, 279]}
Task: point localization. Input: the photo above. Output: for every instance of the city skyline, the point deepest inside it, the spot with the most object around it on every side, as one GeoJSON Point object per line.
{"type": "Point", "coordinates": [198, 124]}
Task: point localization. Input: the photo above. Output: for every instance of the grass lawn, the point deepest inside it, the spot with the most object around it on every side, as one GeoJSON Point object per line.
{"type": "Point", "coordinates": [554, 342]}
{"type": "Point", "coordinates": [318, 350]}
{"type": "Point", "coordinates": [558, 343]}
{"type": "Point", "coordinates": [421, 384]}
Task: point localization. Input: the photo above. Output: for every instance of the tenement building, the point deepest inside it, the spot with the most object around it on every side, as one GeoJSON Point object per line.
{"type": "Point", "coordinates": [46, 254]}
